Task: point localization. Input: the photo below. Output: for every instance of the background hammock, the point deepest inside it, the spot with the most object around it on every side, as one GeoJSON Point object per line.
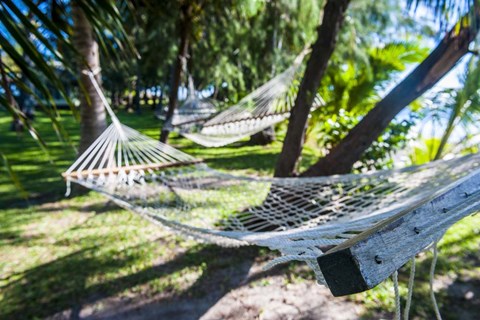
{"type": "Point", "coordinates": [193, 112]}
{"type": "Point", "coordinates": [266, 106]}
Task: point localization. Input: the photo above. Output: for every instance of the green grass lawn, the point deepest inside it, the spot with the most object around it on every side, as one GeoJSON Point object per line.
{"type": "Point", "coordinates": [40, 173]}
{"type": "Point", "coordinates": [58, 254]}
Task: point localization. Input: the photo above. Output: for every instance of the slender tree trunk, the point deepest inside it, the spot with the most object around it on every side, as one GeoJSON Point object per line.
{"type": "Point", "coordinates": [145, 95]}
{"type": "Point", "coordinates": [160, 98]}
{"type": "Point", "coordinates": [322, 49]}
{"type": "Point", "coordinates": [185, 25]}
{"type": "Point", "coordinates": [112, 95]}
{"type": "Point", "coordinates": [163, 89]}
{"type": "Point", "coordinates": [443, 143]}
{"type": "Point", "coordinates": [154, 97]}
{"type": "Point", "coordinates": [136, 97]}
{"type": "Point", "coordinates": [117, 98]}
{"type": "Point", "coordinates": [129, 106]}
{"type": "Point", "coordinates": [92, 113]}
{"type": "Point", "coordinates": [456, 114]}
{"type": "Point", "coordinates": [267, 136]}
{"type": "Point", "coordinates": [440, 61]}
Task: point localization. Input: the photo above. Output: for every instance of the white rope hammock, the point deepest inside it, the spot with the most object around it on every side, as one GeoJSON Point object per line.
{"type": "Point", "coordinates": [299, 217]}
{"type": "Point", "coordinates": [266, 106]}
{"type": "Point", "coordinates": [193, 112]}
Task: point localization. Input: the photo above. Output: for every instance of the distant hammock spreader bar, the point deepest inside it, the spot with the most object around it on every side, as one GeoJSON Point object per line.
{"type": "Point", "coordinates": [266, 106]}
{"type": "Point", "coordinates": [361, 216]}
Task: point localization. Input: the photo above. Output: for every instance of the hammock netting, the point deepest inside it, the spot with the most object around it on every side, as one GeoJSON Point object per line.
{"type": "Point", "coordinates": [299, 217]}
{"type": "Point", "coordinates": [266, 106]}
{"type": "Point", "coordinates": [193, 112]}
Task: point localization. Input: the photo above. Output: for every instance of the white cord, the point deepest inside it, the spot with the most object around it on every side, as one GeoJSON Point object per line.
{"type": "Point", "coordinates": [432, 271]}
{"type": "Point", "coordinates": [398, 312]}
{"type": "Point", "coordinates": [411, 280]}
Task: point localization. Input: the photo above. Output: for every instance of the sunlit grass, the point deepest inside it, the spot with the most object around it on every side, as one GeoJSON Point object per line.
{"type": "Point", "coordinates": [57, 253]}
{"type": "Point", "coordinates": [40, 174]}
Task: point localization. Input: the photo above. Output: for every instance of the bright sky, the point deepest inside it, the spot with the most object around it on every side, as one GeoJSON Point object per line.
{"type": "Point", "coordinates": [450, 80]}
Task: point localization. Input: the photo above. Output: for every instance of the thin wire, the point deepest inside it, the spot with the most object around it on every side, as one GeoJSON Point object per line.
{"type": "Point", "coordinates": [398, 311]}
{"type": "Point", "coordinates": [411, 280]}
{"type": "Point", "coordinates": [432, 272]}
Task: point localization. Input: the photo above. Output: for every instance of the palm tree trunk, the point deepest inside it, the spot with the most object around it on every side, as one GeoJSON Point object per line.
{"type": "Point", "coordinates": [136, 97]}
{"type": "Point", "coordinates": [154, 97]}
{"type": "Point", "coordinates": [159, 103]}
{"type": "Point", "coordinates": [185, 26]}
{"type": "Point", "coordinates": [440, 61]}
{"type": "Point", "coordinates": [92, 112]}
{"type": "Point", "coordinates": [322, 49]}
{"type": "Point", "coordinates": [443, 143]}
{"type": "Point", "coordinates": [456, 114]}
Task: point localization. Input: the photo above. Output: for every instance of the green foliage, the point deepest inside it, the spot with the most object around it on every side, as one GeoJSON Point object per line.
{"type": "Point", "coordinates": [13, 176]}
{"type": "Point", "coordinates": [443, 9]}
{"type": "Point", "coordinates": [37, 39]}
{"type": "Point", "coordinates": [352, 88]}
{"type": "Point", "coordinates": [424, 151]}
{"type": "Point", "coordinates": [367, 60]}
{"type": "Point", "coordinates": [39, 33]}
{"type": "Point", "coordinates": [455, 109]}
{"type": "Point", "coordinates": [355, 85]}
{"type": "Point", "coordinates": [238, 47]}
{"type": "Point", "coordinates": [330, 129]}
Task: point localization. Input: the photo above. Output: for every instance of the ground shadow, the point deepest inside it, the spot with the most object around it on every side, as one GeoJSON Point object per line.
{"type": "Point", "coordinates": [63, 284]}
{"type": "Point", "coordinates": [242, 161]}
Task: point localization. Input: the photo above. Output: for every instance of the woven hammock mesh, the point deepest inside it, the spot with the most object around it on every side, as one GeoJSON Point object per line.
{"type": "Point", "coordinates": [297, 216]}
{"type": "Point", "coordinates": [268, 105]}
{"type": "Point", "coordinates": [194, 111]}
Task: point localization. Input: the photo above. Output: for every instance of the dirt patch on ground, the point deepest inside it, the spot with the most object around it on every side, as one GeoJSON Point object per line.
{"type": "Point", "coordinates": [270, 298]}
{"type": "Point", "coordinates": [229, 288]}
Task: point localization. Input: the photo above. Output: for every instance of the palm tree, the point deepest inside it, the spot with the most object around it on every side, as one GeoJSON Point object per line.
{"type": "Point", "coordinates": [185, 25]}
{"type": "Point", "coordinates": [463, 105]}
{"type": "Point", "coordinates": [25, 44]}
{"type": "Point", "coordinates": [341, 158]}
{"type": "Point", "coordinates": [322, 49]}
{"type": "Point", "coordinates": [43, 38]}
{"type": "Point", "coordinates": [93, 118]}
{"type": "Point", "coordinates": [441, 60]}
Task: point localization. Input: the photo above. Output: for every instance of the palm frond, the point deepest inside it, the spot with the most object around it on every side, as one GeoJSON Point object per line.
{"type": "Point", "coordinates": [13, 177]}
{"type": "Point", "coordinates": [445, 10]}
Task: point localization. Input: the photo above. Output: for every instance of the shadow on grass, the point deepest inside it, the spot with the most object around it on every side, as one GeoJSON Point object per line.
{"type": "Point", "coordinates": [65, 283]}
{"type": "Point", "coordinates": [243, 161]}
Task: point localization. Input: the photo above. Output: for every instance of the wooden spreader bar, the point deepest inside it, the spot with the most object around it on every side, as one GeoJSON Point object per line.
{"type": "Point", "coordinates": [369, 258]}
{"type": "Point", "coordinates": [97, 172]}
{"type": "Point", "coordinates": [199, 121]}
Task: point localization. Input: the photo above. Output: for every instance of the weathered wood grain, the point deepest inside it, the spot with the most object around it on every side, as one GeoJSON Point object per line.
{"type": "Point", "coordinates": [366, 260]}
